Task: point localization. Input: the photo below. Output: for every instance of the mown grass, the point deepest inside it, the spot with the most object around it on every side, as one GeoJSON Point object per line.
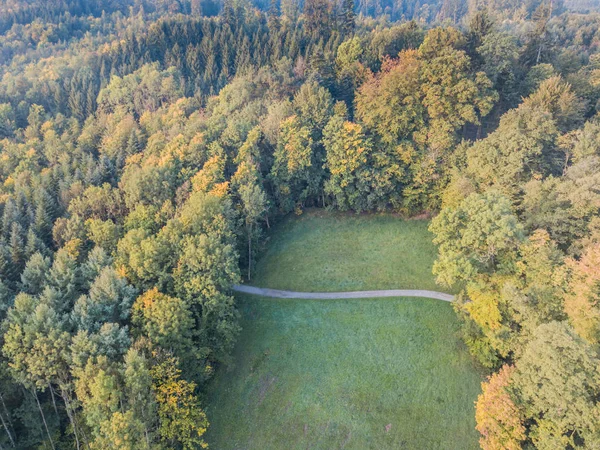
{"type": "Point", "coordinates": [356, 374]}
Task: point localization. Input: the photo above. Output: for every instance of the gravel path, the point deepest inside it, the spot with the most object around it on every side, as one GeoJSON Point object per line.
{"type": "Point", "coordinates": [265, 292]}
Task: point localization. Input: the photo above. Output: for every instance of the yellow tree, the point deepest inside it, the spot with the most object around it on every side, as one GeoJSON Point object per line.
{"type": "Point", "coordinates": [181, 418]}
{"type": "Point", "coordinates": [582, 302]}
{"type": "Point", "coordinates": [499, 419]}
{"type": "Point", "coordinates": [348, 157]}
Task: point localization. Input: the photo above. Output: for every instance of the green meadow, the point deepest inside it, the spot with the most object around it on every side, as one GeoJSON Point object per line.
{"type": "Point", "coordinates": [386, 373]}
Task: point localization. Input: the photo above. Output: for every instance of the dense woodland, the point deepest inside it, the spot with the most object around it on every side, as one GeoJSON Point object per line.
{"type": "Point", "coordinates": [148, 145]}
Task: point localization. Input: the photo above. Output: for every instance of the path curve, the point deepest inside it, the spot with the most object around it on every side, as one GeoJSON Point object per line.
{"type": "Point", "coordinates": [265, 292]}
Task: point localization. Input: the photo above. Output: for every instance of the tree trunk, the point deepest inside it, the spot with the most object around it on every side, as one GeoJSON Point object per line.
{"type": "Point", "coordinates": [7, 430]}
{"type": "Point", "coordinates": [71, 418]}
{"type": "Point", "coordinates": [6, 412]}
{"type": "Point", "coordinates": [44, 419]}
{"type": "Point", "coordinates": [249, 251]}
{"type": "Point", "coordinates": [53, 400]}
{"type": "Point", "coordinates": [25, 392]}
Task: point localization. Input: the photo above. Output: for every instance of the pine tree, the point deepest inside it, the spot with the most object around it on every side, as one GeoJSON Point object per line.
{"type": "Point", "coordinates": [273, 16]}
{"type": "Point", "coordinates": [347, 18]}
{"type": "Point", "coordinates": [44, 216]}
{"type": "Point", "coordinates": [34, 277]}
{"type": "Point", "coordinates": [16, 248]}
{"type": "Point", "coordinates": [318, 18]}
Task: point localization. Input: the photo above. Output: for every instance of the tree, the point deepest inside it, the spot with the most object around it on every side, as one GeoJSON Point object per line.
{"type": "Point", "coordinates": [166, 321]}
{"type": "Point", "coordinates": [475, 237]}
{"type": "Point", "coordinates": [102, 203]}
{"type": "Point", "coordinates": [254, 201]}
{"type": "Point", "coordinates": [64, 276]}
{"type": "Point", "coordinates": [556, 97]}
{"type": "Point", "coordinates": [499, 54]}
{"type": "Point", "coordinates": [480, 26]}
{"type": "Point", "coordinates": [34, 276]}
{"type": "Point", "coordinates": [7, 120]}
{"type": "Point", "coordinates": [248, 183]}
{"type": "Point", "coordinates": [291, 173]}
{"type": "Point", "coordinates": [347, 17]}
{"type": "Point", "coordinates": [499, 419]}
{"type": "Point", "coordinates": [36, 347]}
{"type": "Point", "coordinates": [539, 44]}
{"type": "Point", "coordinates": [582, 300]}
{"type": "Point", "coordinates": [138, 386]}
{"type": "Point", "coordinates": [417, 104]}
{"type": "Point", "coordinates": [451, 94]}
{"type": "Point", "coordinates": [348, 159]}
{"type": "Point", "coordinates": [389, 102]}
{"type": "Point", "coordinates": [313, 105]}
{"type": "Point", "coordinates": [205, 271]}
{"type": "Point", "coordinates": [121, 431]}
{"type": "Point", "coordinates": [273, 14]}
{"type": "Point", "coordinates": [564, 206]}
{"type": "Point", "coordinates": [44, 216]}
{"type": "Point", "coordinates": [181, 418]}
{"type": "Point", "coordinates": [97, 259]}
{"type": "Point", "coordinates": [557, 381]}
{"type": "Point", "coordinates": [6, 299]}
{"type": "Point", "coordinates": [109, 300]}
{"type": "Point", "coordinates": [211, 178]}
{"type": "Point", "coordinates": [350, 72]}
{"type": "Point", "coordinates": [318, 17]}
{"type": "Point", "coordinates": [16, 251]}
{"type": "Point", "coordinates": [98, 387]}
{"type": "Point", "coordinates": [537, 291]}
{"type": "Point", "coordinates": [521, 148]}
{"type": "Point", "coordinates": [145, 259]}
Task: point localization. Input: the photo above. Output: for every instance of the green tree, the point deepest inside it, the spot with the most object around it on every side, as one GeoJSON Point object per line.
{"type": "Point", "coordinates": [557, 381]}
{"type": "Point", "coordinates": [7, 120]}
{"type": "Point", "coordinates": [390, 102]}
{"type": "Point", "coordinates": [166, 321]}
{"type": "Point", "coordinates": [141, 399]}
{"type": "Point", "coordinates": [294, 158]}
{"type": "Point", "coordinates": [99, 388]}
{"type": "Point", "coordinates": [34, 276]}
{"type": "Point", "coordinates": [64, 276]}
{"type": "Point", "coordinates": [205, 271]}
{"type": "Point", "coordinates": [36, 347]}
{"type": "Point", "coordinates": [477, 236]}
{"type": "Point", "coordinates": [248, 183]}
{"type": "Point", "coordinates": [521, 148]}
{"type": "Point", "coordinates": [121, 431]}
{"type": "Point", "coordinates": [109, 300]}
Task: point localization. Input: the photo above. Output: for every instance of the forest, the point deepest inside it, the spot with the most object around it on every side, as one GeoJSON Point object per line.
{"type": "Point", "coordinates": [147, 147]}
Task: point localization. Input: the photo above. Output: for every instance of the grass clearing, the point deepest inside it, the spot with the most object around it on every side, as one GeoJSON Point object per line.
{"type": "Point", "coordinates": [356, 374]}
{"type": "Point", "coordinates": [321, 251]}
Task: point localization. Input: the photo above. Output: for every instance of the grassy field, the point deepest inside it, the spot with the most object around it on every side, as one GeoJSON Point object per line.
{"type": "Point", "coordinates": [353, 374]}
{"type": "Point", "coordinates": [321, 251]}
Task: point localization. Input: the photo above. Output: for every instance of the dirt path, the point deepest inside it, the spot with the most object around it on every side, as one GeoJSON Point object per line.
{"type": "Point", "coordinates": [265, 292]}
